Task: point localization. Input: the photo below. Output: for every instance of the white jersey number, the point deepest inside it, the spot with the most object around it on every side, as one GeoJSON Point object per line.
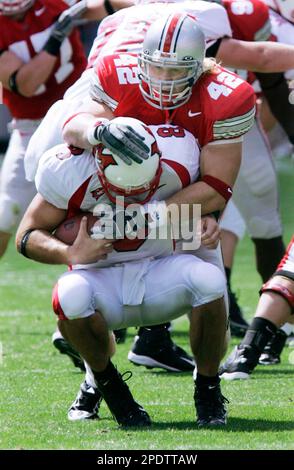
{"type": "Point", "coordinates": [243, 7]}
{"type": "Point", "coordinates": [226, 84]}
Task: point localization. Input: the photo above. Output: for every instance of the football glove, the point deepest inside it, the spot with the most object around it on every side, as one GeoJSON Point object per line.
{"type": "Point", "coordinates": [120, 139]}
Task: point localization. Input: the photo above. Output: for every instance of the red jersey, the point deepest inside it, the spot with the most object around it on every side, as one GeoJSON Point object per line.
{"type": "Point", "coordinates": [26, 39]}
{"type": "Point", "coordinates": [249, 19]}
{"type": "Point", "coordinates": [222, 105]}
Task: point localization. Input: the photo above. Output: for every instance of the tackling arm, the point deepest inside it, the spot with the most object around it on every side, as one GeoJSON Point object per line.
{"type": "Point", "coordinates": [221, 161]}
{"type": "Point", "coordinates": [75, 130]}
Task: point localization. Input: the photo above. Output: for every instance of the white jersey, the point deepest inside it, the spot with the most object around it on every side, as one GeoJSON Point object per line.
{"type": "Point", "coordinates": [70, 182]}
{"type": "Point", "coordinates": [124, 31]}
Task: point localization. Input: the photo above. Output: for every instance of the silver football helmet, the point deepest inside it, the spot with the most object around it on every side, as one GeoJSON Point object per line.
{"type": "Point", "coordinates": [13, 7]}
{"type": "Point", "coordinates": [284, 7]}
{"type": "Point", "coordinates": [171, 60]}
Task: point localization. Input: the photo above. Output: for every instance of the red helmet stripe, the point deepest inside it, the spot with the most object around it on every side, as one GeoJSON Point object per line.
{"type": "Point", "coordinates": [171, 31]}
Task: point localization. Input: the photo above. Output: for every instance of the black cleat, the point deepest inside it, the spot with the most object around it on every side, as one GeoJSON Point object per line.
{"type": "Point", "coordinates": [272, 351]}
{"type": "Point", "coordinates": [210, 406]}
{"type": "Point", "coordinates": [238, 324]}
{"type": "Point", "coordinates": [125, 410]}
{"type": "Point", "coordinates": [65, 348]}
{"type": "Point", "coordinates": [120, 335]}
{"type": "Point", "coordinates": [155, 348]}
{"type": "Point", "coordinates": [86, 404]}
{"type": "Point", "coordinates": [238, 364]}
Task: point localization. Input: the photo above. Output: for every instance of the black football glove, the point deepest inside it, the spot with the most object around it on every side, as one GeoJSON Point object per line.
{"type": "Point", "coordinates": [123, 141]}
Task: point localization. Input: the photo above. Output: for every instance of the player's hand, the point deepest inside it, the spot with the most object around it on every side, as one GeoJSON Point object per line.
{"type": "Point", "coordinates": [210, 232]}
{"type": "Point", "coordinates": [123, 141]}
{"type": "Point", "coordinates": [85, 250]}
{"type": "Point", "coordinates": [66, 21]}
{"type": "Point", "coordinates": [76, 11]}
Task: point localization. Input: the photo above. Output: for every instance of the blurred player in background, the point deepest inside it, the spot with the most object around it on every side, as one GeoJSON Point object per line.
{"type": "Point", "coordinates": [275, 307]}
{"type": "Point", "coordinates": [41, 56]}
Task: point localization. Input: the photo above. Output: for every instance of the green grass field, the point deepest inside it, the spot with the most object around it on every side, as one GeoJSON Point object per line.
{"type": "Point", "coordinates": [38, 384]}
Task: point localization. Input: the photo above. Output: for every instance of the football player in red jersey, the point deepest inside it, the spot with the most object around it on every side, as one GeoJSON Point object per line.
{"type": "Point", "coordinates": [173, 83]}
{"type": "Point", "coordinates": [41, 56]}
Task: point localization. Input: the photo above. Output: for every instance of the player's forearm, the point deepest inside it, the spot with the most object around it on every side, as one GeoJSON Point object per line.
{"type": "Point", "coordinates": [95, 10]}
{"type": "Point", "coordinates": [9, 62]}
{"type": "Point", "coordinates": [35, 73]}
{"type": "Point", "coordinates": [44, 248]}
{"type": "Point", "coordinates": [198, 193]}
{"type": "Point", "coordinates": [275, 57]}
{"type": "Point", "coordinates": [75, 130]}
{"type": "Point", "coordinates": [118, 4]}
{"type": "Point", "coordinates": [261, 56]}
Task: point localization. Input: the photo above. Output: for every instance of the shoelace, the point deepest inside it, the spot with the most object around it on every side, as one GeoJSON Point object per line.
{"type": "Point", "coordinates": [129, 376]}
{"type": "Point", "coordinates": [128, 406]}
{"type": "Point", "coordinates": [212, 403]}
{"type": "Point", "coordinates": [87, 398]}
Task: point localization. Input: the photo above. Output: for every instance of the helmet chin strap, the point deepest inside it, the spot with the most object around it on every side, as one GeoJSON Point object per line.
{"type": "Point", "coordinates": [183, 93]}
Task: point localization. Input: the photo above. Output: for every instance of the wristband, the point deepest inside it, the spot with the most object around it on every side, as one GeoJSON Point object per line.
{"type": "Point", "coordinates": [12, 83]}
{"type": "Point", "coordinates": [108, 7]}
{"type": "Point", "coordinates": [24, 241]}
{"type": "Point", "coordinates": [52, 46]}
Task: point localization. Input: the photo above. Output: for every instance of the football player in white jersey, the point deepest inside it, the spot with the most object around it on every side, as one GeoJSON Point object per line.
{"type": "Point", "coordinates": [115, 283]}
{"type": "Point", "coordinates": [275, 307]}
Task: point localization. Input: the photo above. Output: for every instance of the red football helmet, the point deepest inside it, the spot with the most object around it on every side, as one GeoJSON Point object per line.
{"type": "Point", "coordinates": [137, 182]}
{"type": "Point", "coordinates": [13, 7]}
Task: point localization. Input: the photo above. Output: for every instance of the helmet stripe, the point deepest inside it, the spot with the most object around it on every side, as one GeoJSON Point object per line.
{"type": "Point", "coordinates": [170, 33]}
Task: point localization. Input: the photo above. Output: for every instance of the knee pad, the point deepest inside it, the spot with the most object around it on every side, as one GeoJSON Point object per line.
{"type": "Point", "coordinates": [273, 285]}
{"type": "Point", "coordinates": [73, 297]}
{"type": "Point", "coordinates": [10, 212]}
